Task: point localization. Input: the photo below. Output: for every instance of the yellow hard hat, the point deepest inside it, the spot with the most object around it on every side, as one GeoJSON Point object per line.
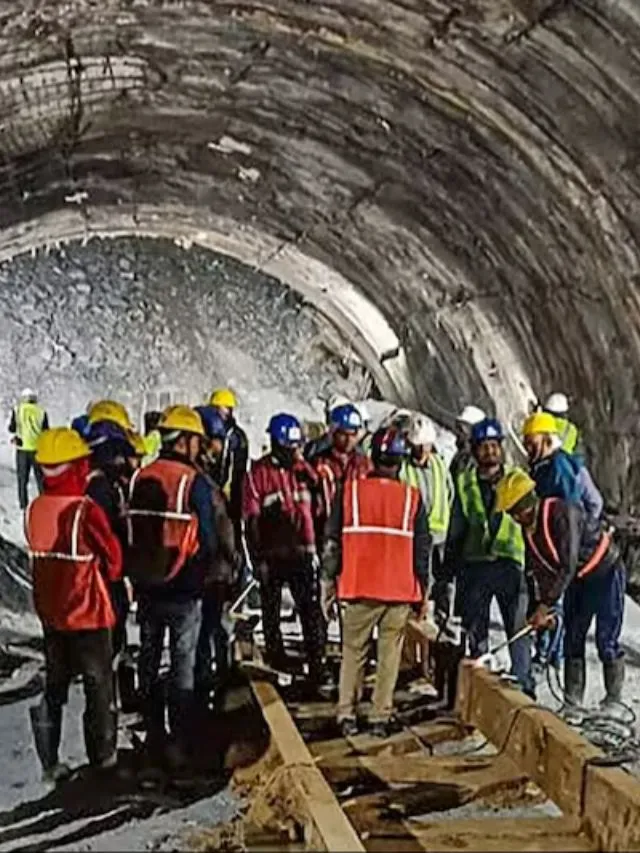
{"type": "Point", "coordinates": [60, 444]}
{"type": "Point", "coordinates": [512, 488]}
{"type": "Point", "coordinates": [110, 410]}
{"type": "Point", "coordinates": [223, 397]}
{"type": "Point", "coordinates": [181, 419]}
{"type": "Point", "coordinates": [137, 442]}
{"type": "Point", "coordinates": [540, 422]}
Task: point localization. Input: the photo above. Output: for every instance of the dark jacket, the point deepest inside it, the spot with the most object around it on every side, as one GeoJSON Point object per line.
{"type": "Point", "coordinates": [562, 475]}
{"type": "Point", "coordinates": [332, 552]}
{"type": "Point", "coordinates": [573, 537]}
{"type": "Point", "coordinates": [234, 465]}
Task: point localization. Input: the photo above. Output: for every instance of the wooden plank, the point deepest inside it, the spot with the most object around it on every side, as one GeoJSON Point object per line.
{"type": "Point", "coordinates": [320, 808]}
{"type": "Point", "coordinates": [496, 835]}
{"type": "Point", "coordinates": [612, 808]}
{"type": "Point", "coordinates": [556, 757]}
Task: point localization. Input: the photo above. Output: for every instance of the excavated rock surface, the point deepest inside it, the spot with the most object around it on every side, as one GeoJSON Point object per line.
{"type": "Point", "coordinates": [471, 166]}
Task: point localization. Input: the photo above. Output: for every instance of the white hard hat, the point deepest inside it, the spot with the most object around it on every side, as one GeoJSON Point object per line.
{"type": "Point", "coordinates": [422, 432]}
{"type": "Point", "coordinates": [471, 415]}
{"type": "Point", "coordinates": [365, 414]}
{"type": "Point", "coordinates": [28, 394]}
{"type": "Point", "coordinates": [557, 404]}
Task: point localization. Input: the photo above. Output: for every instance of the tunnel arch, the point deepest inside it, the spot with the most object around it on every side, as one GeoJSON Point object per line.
{"type": "Point", "coordinates": [470, 169]}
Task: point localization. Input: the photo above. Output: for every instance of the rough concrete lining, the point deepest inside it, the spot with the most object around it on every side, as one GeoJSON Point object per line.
{"type": "Point", "coordinates": [470, 168]}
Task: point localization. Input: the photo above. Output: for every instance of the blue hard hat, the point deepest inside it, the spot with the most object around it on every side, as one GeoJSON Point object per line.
{"type": "Point", "coordinates": [286, 430]}
{"type": "Point", "coordinates": [213, 424]}
{"type": "Point", "coordinates": [489, 429]}
{"type": "Point", "coordinates": [81, 425]}
{"type": "Point", "coordinates": [389, 442]}
{"type": "Point", "coordinates": [346, 418]}
{"type": "Point", "coordinates": [107, 432]}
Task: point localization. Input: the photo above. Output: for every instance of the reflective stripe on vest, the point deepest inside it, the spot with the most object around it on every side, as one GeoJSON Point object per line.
{"type": "Point", "coordinates": [29, 421]}
{"type": "Point", "coordinates": [74, 553]}
{"type": "Point", "coordinates": [567, 433]}
{"type": "Point", "coordinates": [508, 541]}
{"type": "Point", "coordinates": [356, 527]}
{"type": "Point", "coordinates": [437, 503]}
{"type": "Point", "coordinates": [178, 514]}
{"type": "Point", "coordinates": [591, 564]}
{"type": "Point", "coordinates": [378, 541]}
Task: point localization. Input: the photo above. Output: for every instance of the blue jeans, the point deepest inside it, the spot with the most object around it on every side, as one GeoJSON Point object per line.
{"type": "Point", "coordinates": [477, 585]}
{"type": "Point", "coordinates": [601, 596]}
{"type": "Point", "coordinates": [212, 629]}
{"type": "Point", "coordinates": [182, 620]}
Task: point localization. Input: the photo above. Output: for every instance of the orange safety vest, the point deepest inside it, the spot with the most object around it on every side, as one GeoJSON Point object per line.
{"type": "Point", "coordinates": [69, 590]}
{"type": "Point", "coordinates": [552, 556]}
{"type": "Point", "coordinates": [162, 532]}
{"type": "Point", "coordinates": [377, 541]}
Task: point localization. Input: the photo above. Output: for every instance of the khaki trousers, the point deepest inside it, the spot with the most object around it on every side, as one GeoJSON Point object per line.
{"type": "Point", "coordinates": [359, 618]}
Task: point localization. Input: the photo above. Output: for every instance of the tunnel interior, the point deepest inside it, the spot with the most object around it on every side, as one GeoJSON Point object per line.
{"type": "Point", "coordinates": [452, 186]}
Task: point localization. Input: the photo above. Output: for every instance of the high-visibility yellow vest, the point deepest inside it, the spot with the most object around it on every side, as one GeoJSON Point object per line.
{"type": "Point", "coordinates": [29, 424]}
{"type": "Point", "coordinates": [568, 434]}
{"type": "Point", "coordinates": [435, 499]}
{"type": "Point", "coordinates": [478, 546]}
{"type": "Point", "coordinates": [152, 446]}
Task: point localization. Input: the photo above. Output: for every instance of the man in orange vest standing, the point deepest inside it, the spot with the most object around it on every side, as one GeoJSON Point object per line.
{"type": "Point", "coordinates": [75, 555]}
{"type": "Point", "coordinates": [172, 545]}
{"type": "Point", "coordinates": [376, 560]}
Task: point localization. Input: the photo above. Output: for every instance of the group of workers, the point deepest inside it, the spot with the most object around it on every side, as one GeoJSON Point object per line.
{"type": "Point", "coordinates": [367, 527]}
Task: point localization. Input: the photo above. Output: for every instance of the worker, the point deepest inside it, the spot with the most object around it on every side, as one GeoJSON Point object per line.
{"type": "Point", "coordinates": [485, 555]}
{"type": "Point", "coordinates": [557, 473]}
{"type": "Point", "coordinates": [108, 438]}
{"type": "Point", "coordinates": [139, 450]}
{"type": "Point", "coordinates": [557, 405]}
{"type": "Point", "coordinates": [74, 555]}
{"type": "Point", "coordinates": [282, 541]}
{"type": "Point", "coordinates": [322, 443]}
{"type": "Point", "coordinates": [172, 544]}
{"type": "Point", "coordinates": [81, 422]}
{"type": "Point", "coordinates": [152, 437]}
{"type": "Point", "coordinates": [426, 470]}
{"type": "Point", "coordinates": [221, 582]}
{"type": "Point", "coordinates": [235, 455]}
{"type": "Point", "coordinates": [28, 421]}
{"type": "Point", "coordinates": [463, 457]}
{"type": "Point", "coordinates": [366, 436]}
{"type": "Point", "coordinates": [375, 561]}
{"type": "Point", "coordinates": [571, 553]}
{"type": "Point", "coordinates": [341, 461]}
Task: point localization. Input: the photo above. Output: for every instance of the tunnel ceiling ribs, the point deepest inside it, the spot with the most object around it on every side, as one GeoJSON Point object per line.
{"type": "Point", "coordinates": [471, 167]}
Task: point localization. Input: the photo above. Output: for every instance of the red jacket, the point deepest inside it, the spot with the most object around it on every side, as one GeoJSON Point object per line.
{"type": "Point", "coordinates": [279, 499]}
{"type": "Point", "coordinates": [73, 552]}
{"type": "Point", "coordinates": [334, 469]}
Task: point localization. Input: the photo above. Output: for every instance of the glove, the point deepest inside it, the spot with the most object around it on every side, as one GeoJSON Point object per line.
{"type": "Point", "coordinates": [327, 599]}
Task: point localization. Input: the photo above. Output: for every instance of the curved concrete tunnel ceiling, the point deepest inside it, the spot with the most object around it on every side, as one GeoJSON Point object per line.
{"type": "Point", "coordinates": [459, 177]}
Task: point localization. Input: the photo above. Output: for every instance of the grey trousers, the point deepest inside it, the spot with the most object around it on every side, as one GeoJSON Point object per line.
{"type": "Point", "coordinates": [25, 463]}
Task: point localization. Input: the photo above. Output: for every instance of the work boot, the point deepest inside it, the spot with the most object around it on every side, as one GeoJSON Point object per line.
{"type": "Point", "coordinates": [349, 727]}
{"type": "Point", "coordinates": [613, 671]}
{"type": "Point", "coordinates": [56, 774]}
{"type": "Point", "coordinates": [46, 725]}
{"type": "Point", "coordinates": [575, 673]}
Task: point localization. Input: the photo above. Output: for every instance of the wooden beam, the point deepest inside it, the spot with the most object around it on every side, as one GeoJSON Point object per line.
{"type": "Point", "coordinates": [556, 757]}
{"type": "Point", "coordinates": [495, 835]}
{"type": "Point", "coordinates": [302, 784]}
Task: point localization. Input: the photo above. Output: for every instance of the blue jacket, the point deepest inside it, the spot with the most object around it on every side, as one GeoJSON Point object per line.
{"type": "Point", "coordinates": [562, 475]}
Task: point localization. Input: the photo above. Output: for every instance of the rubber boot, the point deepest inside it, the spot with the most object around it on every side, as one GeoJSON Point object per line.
{"type": "Point", "coordinates": [46, 725]}
{"type": "Point", "coordinates": [613, 671]}
{"type": "Point", "coordinates": [575, 675]}
{"type": "Point", "coordinates": [101, 746]}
